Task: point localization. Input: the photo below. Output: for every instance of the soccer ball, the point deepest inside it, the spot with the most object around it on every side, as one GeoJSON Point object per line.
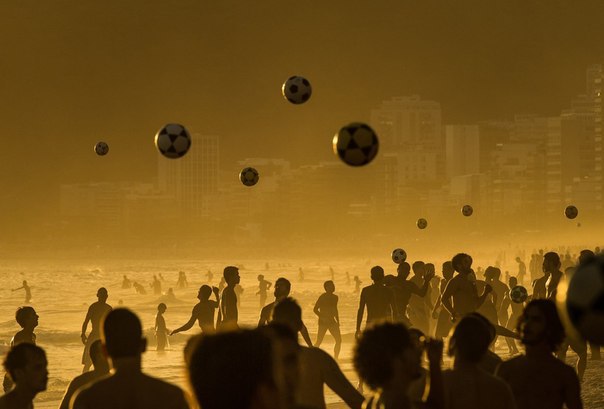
{"type": "Point", "coordinates": [467, 210]}
{"type": "Point", "coordinates": [585, 300]}
{"type": "Point", "coordinates": [249, 176]}
{"type": "Point", "coordinates": [518, 294]}
{"type": "Point", "coordinates": [571, 212]}
{"type": "Point", "coordinates": [356, 144]}
{"type": "Point", "coordinates": [399, 256]}
{"type": "Point", "coordinates": [296, 90]}
{"type": "Point", "coordinates": [422, 223]}
{"type": "Point", "coordinates": [101, 148]}
{"type": "Point", "coordinates": [173, 141]}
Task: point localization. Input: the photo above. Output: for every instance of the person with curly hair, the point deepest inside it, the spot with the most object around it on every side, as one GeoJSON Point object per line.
{"type": "Point", "coordinates": [387, 360]}
{"type": "Point", "coordinates": [538, 379]}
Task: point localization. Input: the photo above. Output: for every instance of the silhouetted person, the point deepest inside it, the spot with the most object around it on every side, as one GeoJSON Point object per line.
{"type": "Point", "coordinates": [127, 387]}
{"type": "Point", "coordinates": [281, 291]}
{"type": "Point", "coordinates": [357, 284]}
{"type": "Point", "coordinates": [317, 368]}
{"type": "Point", "coordinates": [403, 289]}
{"type": "Point", "coordinates": [209, 276]}
{"type": "Point", "coordinates": [378, 299]}
{"type": "Point", "coordinates": [461, 295]}
{"type": "Point", "coordinates": [101, 369]}
{"type": "Point", "coordinates": [300, 275]}
{"type": "Point", "coordinates": [95, 314]}
{"type": "Point", "coordinates": [512, 321]}
{"type": "Point", "coordinates": [326, 309]}
{"type": "Point", "coordinates": [27, 289]}
{"type": "Point", "coordinates": [182, 280]}
{"type": "Point", "coordinates": [551, 267]}
{"type": "Point", "coordinates": [229, 315]}
{"type": "Point", "coordinates": [161, 332]}
{"type": "Point", "coordinates": [443, 323]}
{"type": "Point", "coordinates": [419, 307]}
{"type": "Point", "coordinates": [237, 369]}
{"type": "Point", "coordinates": [156, 285]}
{"type": "Point", "coordinates": [467, 386]}
{"type": "Point", "coordinates": [539, 380]}
{"type": "Point", "coordinates": [27, 367]}
{"type": "Point", "coordinates": [139, 288]}
{"type": "Point", "coordinates": [521, 270]}
{"type": "Point", "coordinates": [499, 290]}
{"type": "Point", "coordinates": [203, 312]}
{"type": "Point", "coordinates": [126, 283]}
{"type": "Point", "coordinates": [27, 319]}
{"type": "Point", "coordinates": [388, 361]}
{"type": "Point", "coordinates": [263, 287]}
{"type": "Point", "coordinates": [586, 256]}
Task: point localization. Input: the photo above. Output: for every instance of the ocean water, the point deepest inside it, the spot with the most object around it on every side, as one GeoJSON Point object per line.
{"type": "Point", "coordinates": [63, 290]}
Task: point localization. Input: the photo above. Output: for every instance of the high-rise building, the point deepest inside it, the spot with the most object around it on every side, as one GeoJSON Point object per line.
{"type": "Point", "coordinates": [462, 150]}
{"type": "Point", "coordinates": [193, 179]}
{"type": "Point", "coordinates": [595, 91]}
{"type": "Point", "coordinates": [410, 128]}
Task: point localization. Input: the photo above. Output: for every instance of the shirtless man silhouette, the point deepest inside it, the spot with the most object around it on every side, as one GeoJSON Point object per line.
{"type": "Point", "coordinates": [326, 309]}
{"type": "Point", "coordinates": [228, 312]}
{"type": "Point", "coordinates": [403, 289]}
{"type": "Point", "coordinates": [468, 345]}
{"type": "Point", "coordinates": [443, 323]}
{"type": "Point", "coordinates": [316, 367]}
{"type": "Point", "coordinates": [512, 321]}
{"type": "Point", "coordinates": [263, 287]}
{"type": "Point", "coordinates": [101, 369]}
{"type": "Point", "coordinates": [420, 306]}
{"type": "Point", "coordinates": [95, 314]}
{"type": "Point", "coordinates": [203, 312]}
{"type": "Point", "coordinates": [27, 366]}
{"type": "Point", "coordinates": [27, 289]}
{"type": "Point", "coordinates": [127, 386]}
{"type": "Point", "coordinates": [538, 379]}
{"type": "Point", "coordinates": [281, 291]}
{"type": "Point", "coordinates": [377, 298]}
{"type": "Point", "coordinates": [461, 295]}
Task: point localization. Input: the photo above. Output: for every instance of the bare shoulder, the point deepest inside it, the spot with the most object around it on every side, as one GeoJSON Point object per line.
{"type": "Point", "coordinates": [511, 365]}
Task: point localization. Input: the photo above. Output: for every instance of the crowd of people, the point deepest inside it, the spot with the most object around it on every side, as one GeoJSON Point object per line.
{"type": "Point", "coordinates": [402, 323]}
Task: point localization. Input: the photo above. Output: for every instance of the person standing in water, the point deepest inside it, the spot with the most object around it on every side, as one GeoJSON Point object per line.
{"type": "Point", "coordinates": [326, 309]}
{"type": "Point", "coordinates": [229, 314]}
{"type": "Point", "coordinates": [161, 332]}
{"type": "Point", "coordinates": [96, 312]}
{"type": "Point", "coordinates": [203, 312]}
{"type": "Point", "coordinates": [263, 287]}
{"type": "Point", "coordinates": [27, 289]}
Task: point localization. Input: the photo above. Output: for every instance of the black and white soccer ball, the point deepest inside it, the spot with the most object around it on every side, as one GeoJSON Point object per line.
{"type": "Point", "coordinates": [571, 212]}
{"type": "Point", "coordinates": [356, 144]}
{"type": "Point", "coordinates": [296, 89]}
{"type": "Point", "coordinates": [101, 148]}
{"type": "Point", "coordinates": [584, 300]}
{"type": "Point", "coordinates": [399, 256]}
{"type": "Point", "coordinates": [249, 176]}
{"type": "Point", "coordinates": [173, 141]}
{"type": "Point", "coordinates": [422, 223]}
{"type": "Point", "coordinates": [467, 210]}
{"type": "Point", "coordinates": [518, 294]}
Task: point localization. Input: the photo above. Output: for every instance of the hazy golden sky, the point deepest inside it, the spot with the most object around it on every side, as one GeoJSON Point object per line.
{"type": "Point", "coordinates": [74, 72]}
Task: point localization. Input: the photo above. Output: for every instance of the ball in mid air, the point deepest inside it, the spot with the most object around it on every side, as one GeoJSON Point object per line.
{"type": "Point", "coordinates": [356, 144]}
{"type": "Point", "coordinates": [173, 141]}
{"type": "Point", "coordinates": [249, 176]}
{"type": "Point", "coordinates": [101, 148]}
{"type": "Point", "coordinates": [296, 89]}
{"type": "Point", "coordinates": [399, 256]}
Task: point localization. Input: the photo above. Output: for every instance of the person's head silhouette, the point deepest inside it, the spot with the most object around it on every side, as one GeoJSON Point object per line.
{"type": "Point", "coordinates": [27, 366]}
{"type": "Point", "coordinates": [122, 335]}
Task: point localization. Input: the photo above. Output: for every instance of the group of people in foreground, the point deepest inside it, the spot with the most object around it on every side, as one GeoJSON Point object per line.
{"type": "Point", "coordinates": [267, 368]}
